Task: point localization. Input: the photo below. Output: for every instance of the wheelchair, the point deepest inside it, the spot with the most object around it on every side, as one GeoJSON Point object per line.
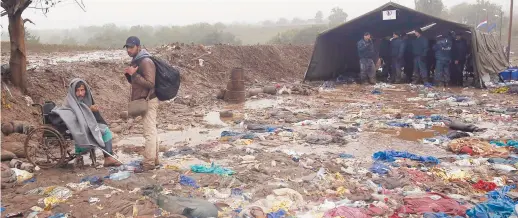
{"type": "Point", "coordinates": [48, 146]}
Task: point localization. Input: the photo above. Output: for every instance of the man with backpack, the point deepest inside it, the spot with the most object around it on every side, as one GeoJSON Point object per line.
{"type": "Point", "coordinates": [141, 75]}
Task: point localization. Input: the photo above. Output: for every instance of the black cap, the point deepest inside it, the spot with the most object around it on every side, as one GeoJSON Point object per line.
{"type": "Point", "coordinates": [132, 41]}
{"type": "Point", "coordinates": [366, 34]}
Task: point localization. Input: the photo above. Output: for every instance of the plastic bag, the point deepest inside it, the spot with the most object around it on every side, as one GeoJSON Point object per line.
{"type": "Point", "coordinates": [120, 175]}
{"type": "Point", "coordinates": [22, 175]}
{"type": "Point", "coordinates": [390, 156]}
{"type": "Point", "coordinates": [188, 181]}
{"type": "Point", "coordinates": [213, 169]}
{"type": "Point", "coordinates": [497, 205]}
{"type": "Point", "coordinates": [379, 168]}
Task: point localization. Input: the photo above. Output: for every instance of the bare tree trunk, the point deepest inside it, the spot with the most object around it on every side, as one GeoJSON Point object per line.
{"type": "Point", "coordinates": [18, 61]}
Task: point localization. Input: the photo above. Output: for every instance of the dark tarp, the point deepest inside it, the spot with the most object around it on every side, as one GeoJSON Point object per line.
{"type": "Point", "coordinates": [335, 50]}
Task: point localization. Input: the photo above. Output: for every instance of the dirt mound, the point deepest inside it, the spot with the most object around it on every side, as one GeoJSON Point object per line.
{"type": "Point", "coordinates": [204, 70]}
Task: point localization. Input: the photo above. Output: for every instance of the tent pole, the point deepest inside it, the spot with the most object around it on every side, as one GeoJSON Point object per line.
{"type": "Point", "coordinates": [501, 23]}
{"type": "Point", "coordinates": [509, 33]}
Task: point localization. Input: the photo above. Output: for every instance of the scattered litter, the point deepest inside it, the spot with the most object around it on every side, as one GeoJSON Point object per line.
{"type": "Point", "coordinates": [120, 175]}
{"type": "Point", "coordinates": [213, 169]}
{"type": "Point", "coordinates": [188, 181]}
{"type": "Point", "coordinates": [390, 156]}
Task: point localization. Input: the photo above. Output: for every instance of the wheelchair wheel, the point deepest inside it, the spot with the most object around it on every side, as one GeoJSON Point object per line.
{"type": "Point", "coordinates": [45, 147]}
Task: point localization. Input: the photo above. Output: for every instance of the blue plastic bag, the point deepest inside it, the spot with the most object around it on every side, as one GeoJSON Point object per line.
{"type": "Point", "coordinates": [188, 181]}
{"type": "Point", "coordinates": [498, 204]}
{"type": "Point", "coordinates": [278, 214]}
{"type": "Point", "coordinates": [390, 156]}
{"type": "Point", "coordinates": [379, 168]}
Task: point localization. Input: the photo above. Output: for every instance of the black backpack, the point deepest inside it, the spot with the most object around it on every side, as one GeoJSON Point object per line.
{"type": "Point", "coordinates": [167, 80]}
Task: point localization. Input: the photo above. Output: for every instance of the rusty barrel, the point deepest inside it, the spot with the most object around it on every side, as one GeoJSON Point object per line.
{"type": "Point", "coordinates": [236, 87]}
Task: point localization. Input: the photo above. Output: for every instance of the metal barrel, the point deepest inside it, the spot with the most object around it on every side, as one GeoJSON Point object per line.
{"type": "Point", "coordinates": [236, 87]}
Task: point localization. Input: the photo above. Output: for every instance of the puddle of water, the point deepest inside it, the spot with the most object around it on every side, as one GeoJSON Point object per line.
{"type": "Point", "coordinates": [261, 104]}
{"type": "Point", "coordinates": [191, 136]}
{"type": "Point", "coordinates": [214, 118]}
{"type": "Point", "coordinates": [39, 60]}
{"type": "Point", "coordinates": [410, 134]}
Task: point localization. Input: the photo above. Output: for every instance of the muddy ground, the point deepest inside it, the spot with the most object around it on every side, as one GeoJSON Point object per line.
{"type": "Point", "coordinates": [319, 145]}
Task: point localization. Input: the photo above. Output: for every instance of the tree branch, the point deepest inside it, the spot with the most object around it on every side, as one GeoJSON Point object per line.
{"type": "Point", "coordinates": [28, 20]}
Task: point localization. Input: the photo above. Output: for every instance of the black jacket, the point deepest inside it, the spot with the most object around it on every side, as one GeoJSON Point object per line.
{"type": "Point", "coordinates": [459, 50]}
{"type": "Point", "coordinates": [442, 49]}
{"type": "Point", "coordinates": [397, 48]}
{"type": "Point", "coordinates": [420, 47]}
{"type": "Point", "coordinates": [385, 48]}
{"type": "Point", "coordinates": [366, 49]}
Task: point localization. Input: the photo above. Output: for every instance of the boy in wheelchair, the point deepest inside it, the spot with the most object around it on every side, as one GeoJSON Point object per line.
{"type": "Point", "coordinates": [84, 121]}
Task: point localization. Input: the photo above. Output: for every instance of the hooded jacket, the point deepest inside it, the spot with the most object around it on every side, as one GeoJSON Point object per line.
{"type": "Point", "coordinates": [143, 81]}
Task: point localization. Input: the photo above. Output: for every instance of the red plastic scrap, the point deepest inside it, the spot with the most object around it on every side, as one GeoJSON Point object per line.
{"type": "Point", "coordinates": [424, 204]}
{"type": "Point", "coordinates": [486, 186]}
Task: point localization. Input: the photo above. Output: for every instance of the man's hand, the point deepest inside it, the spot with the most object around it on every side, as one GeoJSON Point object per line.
{"type": "Point", "coordinates": [456, 62]}
{"type": "Point", "coordinates": [131, 70]}
{"type": "Point", "coordinates": [94, 108]}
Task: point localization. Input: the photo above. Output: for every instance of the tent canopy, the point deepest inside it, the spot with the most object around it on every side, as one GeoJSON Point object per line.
{"type": "Point", "coordinates": [335, 49]}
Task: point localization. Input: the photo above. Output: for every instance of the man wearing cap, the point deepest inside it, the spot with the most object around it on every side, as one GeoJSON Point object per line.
{"type": "Point", "coordinates": [367, 55]}
{"type": "Point", "coordinates": [442, 51]}
{"type": "Point", "coordinates": [420, 51]}
{"type": "Point", "coordinates": [459, 54]}
{"type": "Point", "coordinates": [141, 75]}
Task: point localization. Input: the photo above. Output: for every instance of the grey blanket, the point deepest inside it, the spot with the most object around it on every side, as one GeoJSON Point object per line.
{"type": "Point", "coordinates": [79, 119]}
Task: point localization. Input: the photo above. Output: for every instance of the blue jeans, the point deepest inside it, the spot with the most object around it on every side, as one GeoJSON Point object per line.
{"type": "Point", "coordinates": [420, 69]}
{"type": "Point", "coordinates": [442, 71]}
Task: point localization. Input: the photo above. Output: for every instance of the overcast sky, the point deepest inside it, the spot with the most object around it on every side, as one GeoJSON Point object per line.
{"type": "Point", "coordinates": [181, 12]}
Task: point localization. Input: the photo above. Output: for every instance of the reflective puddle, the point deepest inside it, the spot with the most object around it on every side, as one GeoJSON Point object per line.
{"type": "Point", "coordinates": [410, 134]}
{"type": "Point", "coordinates": [261, 104]}
{"type": "Point", "coordinates": [191, 136]}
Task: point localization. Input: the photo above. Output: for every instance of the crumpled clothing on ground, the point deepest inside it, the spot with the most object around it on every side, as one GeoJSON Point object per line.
{"type": "Point", "coordinates": [451, 175]}
{"type": "Point", "coordinates": [439, 215]}
{"type": "Point", "coordinates": [510, 143]}
{"type": "Point", "coordinates": [497, 205]}
{"type": "Point", "coordinates": [390, 156]}
{"type": "Point", "coordinates": [474, 146]}
{"type": "Point", "coordinates": [485, 186]}
{"type": "Point", "coordinates": [344, 211]}
{"type": "Point", "coordinates": [430, 203]}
